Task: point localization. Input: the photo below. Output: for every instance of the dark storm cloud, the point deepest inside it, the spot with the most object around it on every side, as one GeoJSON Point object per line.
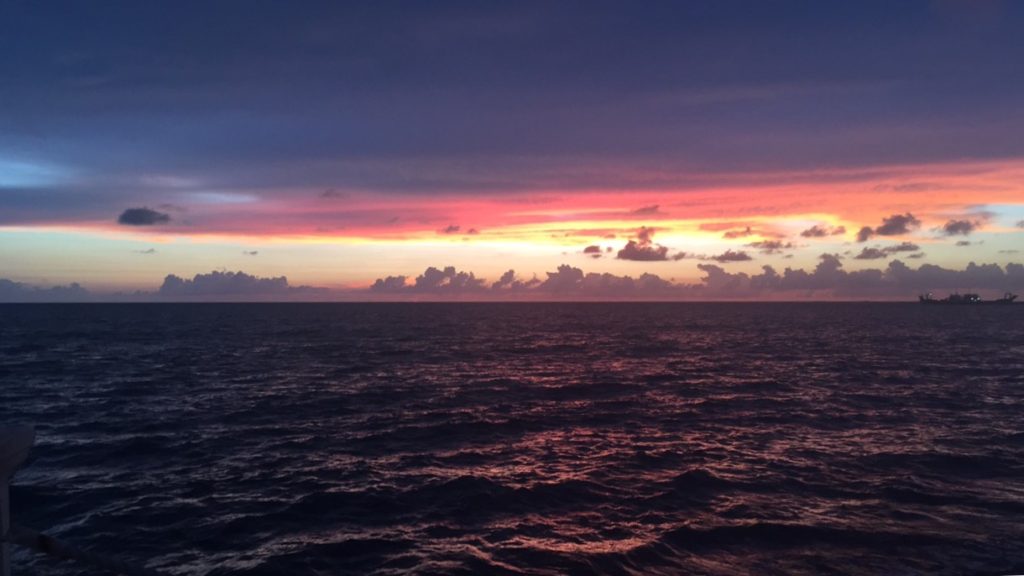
{"type": "Point", "coordinates": [817, 231]}
{"type": "Point", "coordinates": [11, 291]}
{"type": "Point", "coordinates": [142, 217]}
{"type": "Point", "coordinates": [406, 91]}
{"type": "Point", "coordinates": [959, 227]}
{"type": "Point", "coordinates": [230, 285]}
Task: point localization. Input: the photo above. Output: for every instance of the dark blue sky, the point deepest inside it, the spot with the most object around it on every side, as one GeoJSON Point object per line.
{"type": "Point", "coordinates": [256, 93]}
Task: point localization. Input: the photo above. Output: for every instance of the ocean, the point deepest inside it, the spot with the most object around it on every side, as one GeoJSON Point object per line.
{"type": "Point", "coordinates": [618, 438]}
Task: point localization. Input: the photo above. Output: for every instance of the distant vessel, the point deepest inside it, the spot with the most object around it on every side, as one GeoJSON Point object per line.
{"type": "Point", "coordinates": [970, 299]}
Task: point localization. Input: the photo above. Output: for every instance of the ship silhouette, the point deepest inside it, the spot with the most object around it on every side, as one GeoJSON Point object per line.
{"type": "Point", "coordinates": [965, 299]}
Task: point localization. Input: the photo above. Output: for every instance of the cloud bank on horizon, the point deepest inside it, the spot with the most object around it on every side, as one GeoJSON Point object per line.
{"type": "Point", "coordinates": [655, 138]}
{"type": "Point", "coordinates": [827, 280]}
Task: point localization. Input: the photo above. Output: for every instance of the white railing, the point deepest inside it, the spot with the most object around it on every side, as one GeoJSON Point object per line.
{"type": "Point", "coordinates": [15, 444]}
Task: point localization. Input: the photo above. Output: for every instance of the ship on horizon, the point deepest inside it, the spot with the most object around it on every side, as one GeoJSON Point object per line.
{"type": "Point", "coordinates": [966, 299]}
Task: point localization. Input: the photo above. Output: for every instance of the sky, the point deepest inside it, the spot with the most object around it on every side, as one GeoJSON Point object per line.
{"type": "Point", "coordinates": [394, 150]}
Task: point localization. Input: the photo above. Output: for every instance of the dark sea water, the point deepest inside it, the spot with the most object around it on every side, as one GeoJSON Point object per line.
{"type": "Point", "coordinates": [522, 438]}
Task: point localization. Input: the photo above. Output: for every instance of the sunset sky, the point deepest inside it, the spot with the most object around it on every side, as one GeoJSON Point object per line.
{"type": "Point", "coordinates": [342, 143]}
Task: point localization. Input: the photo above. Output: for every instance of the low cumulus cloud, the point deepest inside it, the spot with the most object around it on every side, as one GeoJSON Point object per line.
{"type": "Point", "coordinates": [231, 285]}
{"type": "Point", "coordinates": [771, 246]}
{"type": "Point", "coordinates": [643, 248]}
{"type": "Point", "coordinates": [827, 279]}
{"type": "Point", "coordinates": [446, 280]}
{"type": "Point", "coordinates": [510, 283]}
{"type": "Point", "coordinates": [731, 256]}
{"type": "Point", "coordinates": [876, 253]}
{"type": "Point", "coordinates": [959, 227]}
{"type": "Point", "coordinates": [871, 254]}
{"type": "Point", "coordinates": [13, 292]}
{"type": "Point", "coordinates": [895, 225]}
{"type": "Point", "coordinates": [142, 217]}
{"type": "Point", "coordinates": [450, 229]}
{"type": "Point", "coordinates": [817, 231]}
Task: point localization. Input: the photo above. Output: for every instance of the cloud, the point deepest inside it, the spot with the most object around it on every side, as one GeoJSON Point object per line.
{"type": "Point", "coordinates": [450, 229]}
{"type": "Point", "coordinates": [637, 251]}
{"type": "Point", "coordinates": [963, 243]}
{"type": "Point", "coordinates": [146, 251]}
{"type": "Point", "coordinates": [250, 252]}
{"type": "Point", "coordinates": [771, 246]}
{"type": "Point", "coordinates": [142, 217]}
{"type": "Point", "coordinates": [959, 227]}
{"type": "Point", "coordinates": [894, 225]}
{"type": "Point", "coordinates": [902, 247]}
{"type": "Point", "coordinates": [389, 284]}
{"type": "Point", "coordinates": [334, 194]}
{"type": "Point", "coordinates": [817, 231]}
{"type": "Point", "coordinates": [11, 291]}
{"type": "Point", "coordinates": [231, 285]}
{"type": "Point", "coordinates": [652, 210]}
{"type": "Point", "coordinates": [731, 256]}
{"type": "Point", "coordinates": [592, 249]}
{"type": "Point", "coordinates": [827, 280]}
{"type": "Point", "coordinates": [509, 283]}
{"type": "Point", "coordinates": [573, 282]}
{"type": "Point", "coordinates": [472, 232]}
{"type": "Point", "coordinates": [1020, 224]}
{"type": "Point", "coordinates": [897, 224]}
{"type": "Point", "coordinates": [446, 280]}
{"type": "Point", "coordinates": [877, 253]}
{"type": "Point", "coordinates": [871, 254]}
{"type": "Point", "coordinates": [739, 233]}
{"type": "Point", "coordinates": [643, 249]}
